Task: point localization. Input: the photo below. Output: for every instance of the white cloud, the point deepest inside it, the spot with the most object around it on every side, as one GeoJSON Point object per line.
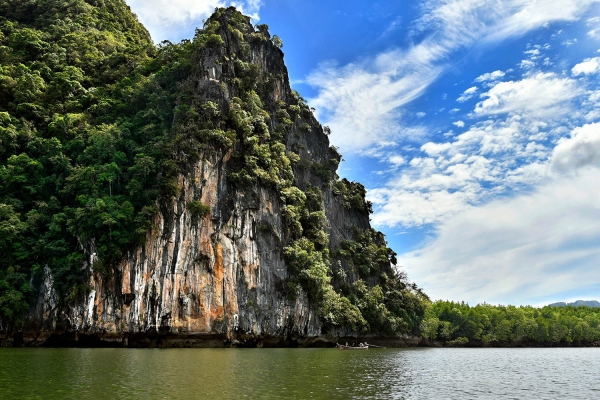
{"type": "Point", "coordinates": [581, 149]}
{"type": "Point", "coordinates": [533, 53]}
{"type": "Point", "coordinates": [594, 33]}
{"type": "Point", "coordinates": [451, 176]}
{"type": "Point", "coordinates": [587, 67]}
{"type": "Point", "coordinates": [517, 251]}
{"type": "Point", "coordinates": [161, 17]}
{"type": "Point", "coordinates": [490, 76]}
{"type": "Point", "coordinates": [540, 94]}
{"type": "Point", "coordinates": [492, 243]}
{"type": "Point", "coordinates": [497, 21]}
{"type": "Point", "coordinates": [520, 144]}
{"type": "Point", "coordinates": [526, 64]}
{"type": "Point", "coordinates": [493, 157]}
{"type": "Point", "coordinates": [397, 160]}
{"type": "Point", "coordinates": [467, 94]}
{"type": "Point", "coordinates": [415, 208]}
{"type": "Point", "coordinates": [362, 101]}
{"type": "Point", "coordinates": [420, 114]}
{"type": "Point", "coordinates": [594, 23]}
{"type": "Point", "coordinates": [454, 110]}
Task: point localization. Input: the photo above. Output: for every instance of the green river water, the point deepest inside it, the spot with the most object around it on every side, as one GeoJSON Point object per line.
{"type": "Point", "coordinates": [27, 373]}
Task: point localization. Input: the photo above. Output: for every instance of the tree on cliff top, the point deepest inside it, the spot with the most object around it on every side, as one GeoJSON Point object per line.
{"type": "Point", "coordinates": [277, 41]}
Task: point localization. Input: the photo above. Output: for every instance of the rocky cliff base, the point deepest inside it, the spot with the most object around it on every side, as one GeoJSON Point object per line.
{"type": "Point", "coordinates": [215, 340]}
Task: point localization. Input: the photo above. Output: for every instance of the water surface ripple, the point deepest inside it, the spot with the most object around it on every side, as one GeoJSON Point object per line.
{"type": "Point", "coordinates": [562, 373]}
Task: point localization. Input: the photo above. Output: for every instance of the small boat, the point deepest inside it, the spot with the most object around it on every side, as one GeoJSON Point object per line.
{"type": "Point", "coordinates": [342, 347]}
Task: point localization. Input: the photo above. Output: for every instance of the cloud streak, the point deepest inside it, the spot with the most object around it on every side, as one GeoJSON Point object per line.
{"type": "Point", "coordinates": [362, 102]}
{"type": "Point", "coordinates": [526, 250]}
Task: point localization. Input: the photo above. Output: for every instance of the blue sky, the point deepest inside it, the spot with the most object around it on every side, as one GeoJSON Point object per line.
{"type": "Point", "coordinates": [474, 124]}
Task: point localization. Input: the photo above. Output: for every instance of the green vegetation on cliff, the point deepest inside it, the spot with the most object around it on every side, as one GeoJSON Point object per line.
{"type": "Point", "coordinates": [64, 169]}
{"type": "Point", "coordinates": [96, 126]}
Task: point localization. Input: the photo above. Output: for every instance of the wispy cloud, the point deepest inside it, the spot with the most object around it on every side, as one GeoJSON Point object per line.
{"type": "Point", "coordinates": [362, 107]}
{"type": "Point", "coordinates": [397, 160]}
{"type": "Point", "coordinates": [449, 177]}
{"type": "Point", "coordinates": [393, 26]}
{"type": "Point", "coordinates": [468, 94]}
{"type": "Point", "coordinates": [524, 250]}
{"type": "Point", "coordinates": [526, 64]}
{"type": "Point", "coordinates": [594, 24]}
{"type": "Point", "coordinates": [162, 17]}
{"type": "Point", "coordinates": [496, 195]}
{"type": "Point", "coordinates": [362, 102]}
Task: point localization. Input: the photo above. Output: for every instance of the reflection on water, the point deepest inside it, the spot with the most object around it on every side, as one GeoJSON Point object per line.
{"type": "Point", "coordinates": [299, 373]}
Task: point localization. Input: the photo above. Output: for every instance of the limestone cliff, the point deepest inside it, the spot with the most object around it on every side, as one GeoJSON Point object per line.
{"type": "Point", "coordinates": [215, 267]}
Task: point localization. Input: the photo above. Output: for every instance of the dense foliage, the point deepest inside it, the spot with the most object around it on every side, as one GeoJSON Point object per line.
{"type": "Point", "coordinates": [87, 143]}
{"type": "Point", "coordinates": [459, 324]}
{"type": "Point", "coordinates": [392, 304]}
{"type": "Point", "coordinates": [96, 125]}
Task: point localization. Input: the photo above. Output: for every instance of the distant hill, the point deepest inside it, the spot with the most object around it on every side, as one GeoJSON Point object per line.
{"type": "Point", "coordinates": [586, 303]}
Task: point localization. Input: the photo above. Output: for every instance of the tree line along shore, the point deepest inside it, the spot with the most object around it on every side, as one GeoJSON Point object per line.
{"type": "Point", "coordinates": [458, 324]}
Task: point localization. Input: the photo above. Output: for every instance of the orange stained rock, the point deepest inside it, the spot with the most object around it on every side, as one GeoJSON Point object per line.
{"type": "Point", "coordinates": [268, 204]}
{"type": "Point", "coordinates": [250, 275]}
{"type": "Point", "coordinates": [227, 155]}
{"type": "Point", "coordinates": [126, 284]}
{"type": "Point", "coordinates": [219, 268]}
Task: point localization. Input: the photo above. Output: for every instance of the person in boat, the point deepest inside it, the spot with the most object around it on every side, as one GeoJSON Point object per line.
{"type": "Point", "coordinates": [346, 344]}
{"type": "Point", "coordinates": [361, 345]}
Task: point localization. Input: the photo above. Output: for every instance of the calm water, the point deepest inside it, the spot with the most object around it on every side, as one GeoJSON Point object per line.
{"type": "Point", "coordinates": [299, 373]}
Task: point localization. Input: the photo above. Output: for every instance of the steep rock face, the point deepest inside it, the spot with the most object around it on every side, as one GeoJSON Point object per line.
{"type": "Point", "coordinates": [215, 279]}
{"type": "Point", "coordinates": [254, 240]}
{"type": "Point", "coordinates": [211, 275]}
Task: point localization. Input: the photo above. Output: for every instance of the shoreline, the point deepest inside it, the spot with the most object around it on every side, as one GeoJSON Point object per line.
{"type": "Point", "coordinates": [78, 339]}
